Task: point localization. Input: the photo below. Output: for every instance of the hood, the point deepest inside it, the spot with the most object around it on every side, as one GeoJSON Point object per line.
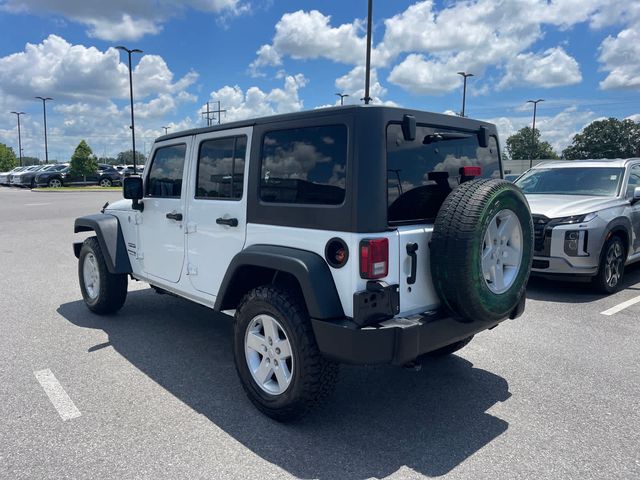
{"type": "Point", "coordinates": [122, 204]}
{"type": "Point", "coordinates": [557, 206]}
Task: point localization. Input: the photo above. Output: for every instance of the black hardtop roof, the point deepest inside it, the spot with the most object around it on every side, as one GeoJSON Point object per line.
{"type": "Point", "coordinates": [421, 117]}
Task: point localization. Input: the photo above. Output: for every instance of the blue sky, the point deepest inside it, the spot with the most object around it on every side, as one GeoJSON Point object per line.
{"type": "Point", "coordinates": [269, 56]}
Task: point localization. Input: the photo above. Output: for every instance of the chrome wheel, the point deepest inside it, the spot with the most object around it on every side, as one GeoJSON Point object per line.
{"type": "Point", "coordinates": [105, 182]}
{"type": "Point", "coordinates": [502, 251]}
{"type": "Point", "coordinates": [268, 353]}
{"type": "Point", "coordinates": [613, 264]}
{"type": "Point", "coordinates": [91, 276]}
{"type": "Point", "coordinates": [55, 183]}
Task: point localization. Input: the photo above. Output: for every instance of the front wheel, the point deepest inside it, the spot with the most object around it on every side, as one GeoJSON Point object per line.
{"type": "Point", "coordinates": [612, 260]}
{"type": "Point", "coordinates": [103, 292]}
{"type": "Point", "coordinates": [276, 355]}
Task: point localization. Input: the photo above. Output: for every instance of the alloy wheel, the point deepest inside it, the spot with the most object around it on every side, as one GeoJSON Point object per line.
{"type": "Point", "coordinates": [502, 251]}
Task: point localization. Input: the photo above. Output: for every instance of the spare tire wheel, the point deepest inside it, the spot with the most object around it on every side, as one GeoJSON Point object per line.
{"type": "Point", "coordinates": [482, 249]}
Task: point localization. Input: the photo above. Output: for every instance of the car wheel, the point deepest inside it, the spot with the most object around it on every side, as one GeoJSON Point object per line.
{"type": "Point", "coordinates": [482, 249]}
{"type": "Point", "coordinates": [449, 349]}
{"type": "Point", "coordinates": [103, 292]}
{"type": "Point", "coordinates": [105, 182]}
{"type": "Point", "coordinates": [55, 183]}
{"type": "Point", "coordinates": [611, 269]}
{"type": "Point", "coordinates": [276, 355]}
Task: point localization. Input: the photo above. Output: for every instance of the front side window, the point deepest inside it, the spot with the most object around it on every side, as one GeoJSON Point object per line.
{"type": "Point", "coordinates": [165, 176]}
{"type": "Point", "coordinates": [591, 181]}
{"type": "Point", "coordinates": [634, 180]}
{"type": "Point", "coordinates": [421, 173]}
{"type": "Point", "coordinates": [304, 165]}
{"type": "Point", "coordinates": [221, 168]}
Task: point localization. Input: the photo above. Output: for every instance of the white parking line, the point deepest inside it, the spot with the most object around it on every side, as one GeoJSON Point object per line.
{"type": "Point", "coordinates": [621, 306]}
{"type": "Point", "coordinates": [35, 204]}
{"type": "Point", "coordinates": [64, 405]}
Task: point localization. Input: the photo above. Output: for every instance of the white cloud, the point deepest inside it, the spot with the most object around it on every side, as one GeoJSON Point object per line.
{"type": "Point", "coordinates": [352, 83]}
{"type": "Point", "coordinates": [255, 102]}
{"type": "Point", "coordinates": [551, 68]}
{"type": "Point", "coordinates": [122, 19]}
{"type": "Point", "coordinates": [620, 56]}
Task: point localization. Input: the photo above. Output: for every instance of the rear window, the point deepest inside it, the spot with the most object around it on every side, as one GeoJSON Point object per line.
{"type": "Point", "coordinates": [420, 174]}
{"type": "Point", "coordinates": [304, 165]}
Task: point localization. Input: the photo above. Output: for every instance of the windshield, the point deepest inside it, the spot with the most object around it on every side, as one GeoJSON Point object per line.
{"type": "Point", "coordinates": [420, 174]}
{"type": "Point", "coordinates": [592, 181]}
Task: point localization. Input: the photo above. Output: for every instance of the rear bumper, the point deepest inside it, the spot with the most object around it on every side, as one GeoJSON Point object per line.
{"type": "Point", "coordinates": [396, 341]}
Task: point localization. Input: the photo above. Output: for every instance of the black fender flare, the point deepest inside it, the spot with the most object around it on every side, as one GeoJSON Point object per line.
{"type": "Point", "coordinates": [310, 270]}
{"type": "Point", "coordinates": [620, 225]}
{"type": "Point", "coordinates": [110, 238]}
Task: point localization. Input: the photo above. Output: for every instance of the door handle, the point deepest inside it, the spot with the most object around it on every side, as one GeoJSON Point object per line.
{"type": "Point", "coordinates": [412, 248]}
{"type": "Point", "coordinates": [231, 222]}
{"type": "Point", "coordinates": [174, 216]}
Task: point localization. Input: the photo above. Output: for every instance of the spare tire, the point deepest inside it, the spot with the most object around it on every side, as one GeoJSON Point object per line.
{"type": "Point", "coordinates": [482, 249]}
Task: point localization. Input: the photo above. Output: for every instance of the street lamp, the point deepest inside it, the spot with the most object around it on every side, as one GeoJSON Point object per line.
{"type": "Point", "coordinates": [342, 97]}
{"type": "Point", "coordinates": [133, 127]}
{"type": "Point", "coordinates": [533, 132]}
{"type": "Point", "coordinates": [166, 129]}
{"type": "Point", "coordinates": [44, 109]}
{"type": "Point", "coordinates": [464, 88]}
{"type": "Point", "coordinates": [19, 135]}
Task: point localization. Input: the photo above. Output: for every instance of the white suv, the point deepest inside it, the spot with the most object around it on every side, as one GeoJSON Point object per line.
{"type": "Point", "coordinates": [355, 234]}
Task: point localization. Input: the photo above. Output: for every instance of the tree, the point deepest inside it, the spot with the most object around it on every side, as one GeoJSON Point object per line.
{"type": "Point", "coordinates": [126, 158]}
{"type": "Point", "coordinates": [610, 138]}
{"type": "Point", "coordinates": [83, 161]}
{"type": "Point", "coordinates": [519, 146]}
{"type": "Point", "coordinates": [108, 160]}
{"type": "Point", "coordinates": [8, 160]}
{"type": "Point", "coordinates": [30, 161]}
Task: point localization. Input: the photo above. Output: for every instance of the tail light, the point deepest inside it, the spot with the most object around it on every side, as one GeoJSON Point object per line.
{"type": "Point", "coordinates": [469, 171]}
{"type": "Point", "coordinates": [374, 258]}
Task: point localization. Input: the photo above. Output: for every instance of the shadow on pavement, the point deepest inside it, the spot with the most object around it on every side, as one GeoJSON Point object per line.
{"type": "Point", "coordinates": [550, 290]}
{"type": "Point", "coordinates": [380, 419]}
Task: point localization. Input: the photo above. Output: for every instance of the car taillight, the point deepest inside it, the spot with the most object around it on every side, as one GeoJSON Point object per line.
{"type": "Point", "coordinates": [469, 171]}
{"type": "Point", "coordinates": [374, 258]}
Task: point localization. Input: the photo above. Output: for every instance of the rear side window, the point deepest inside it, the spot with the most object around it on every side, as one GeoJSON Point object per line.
{"type": "Point", "coordinates": [165, 176]}
{"type": "Point", "coordinates": [421, 173]}
{"type": "Point", "coordinates": [221, 168]}
{"type": "Point", "coordinates": [304, 165]}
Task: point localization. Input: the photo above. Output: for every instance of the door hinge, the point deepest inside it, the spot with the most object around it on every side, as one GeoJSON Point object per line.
{"type": "Point", "coordinates": [192, 227]}
{"type": "Point", "coordinates": [192, 270]}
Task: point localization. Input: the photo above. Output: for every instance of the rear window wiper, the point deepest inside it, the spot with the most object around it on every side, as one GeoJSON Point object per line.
{"type": "Point", "coordinates": [444, 136]}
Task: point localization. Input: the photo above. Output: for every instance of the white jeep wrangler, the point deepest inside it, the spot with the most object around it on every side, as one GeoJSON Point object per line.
{"type": "Point", "coordinates": [359, 235]}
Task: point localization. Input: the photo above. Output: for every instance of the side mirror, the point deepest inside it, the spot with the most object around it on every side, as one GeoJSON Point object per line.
{"type": "Point", "coordinates": [409, 128]}
{"type": "Point", "coordinates": [636, 195]}
{"type": "Point", "coordinates": [132, 190]}
{"type": "Point", "coordinates": [483, 137]}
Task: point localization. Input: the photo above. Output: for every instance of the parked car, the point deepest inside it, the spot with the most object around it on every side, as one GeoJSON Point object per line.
{"type": "Point", "coordinates": [128, 170]}
{"type": "Point", "coordinates": [25, 177]}
{"type": "Point", "coordinates": [328, 246]}
{"type": "Point", "coordinates": [106, 176]}
{"type": "Point", "coordinates": [586, 216]}
{"type": "Point", "coordinates": [5, 177]}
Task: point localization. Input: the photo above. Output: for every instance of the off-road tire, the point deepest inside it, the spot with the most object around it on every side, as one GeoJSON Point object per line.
{"type": "Point", "coordinates": [112, 291]}
{"type": "Point", "coordinates": [599, 282]}
{"type": "Point", "coordinates": [456, 250]}
{"type": "Point", "coordinates": [449, 349]}
{"type": "Point", "coordinates": [313, 377]}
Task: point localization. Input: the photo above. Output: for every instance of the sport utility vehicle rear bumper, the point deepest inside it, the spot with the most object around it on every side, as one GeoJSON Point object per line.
{"type": "Point", "coordinates": [396, 341]}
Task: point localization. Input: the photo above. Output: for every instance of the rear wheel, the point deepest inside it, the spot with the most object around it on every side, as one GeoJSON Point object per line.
{"type": "Point", "coordinates": [609, 277]}
{"type": "Point", "coordinates": [482, 249]}
{"type": "Point", "coordinates": [55, 183]}
{"type": "Point", "coordinates": [276, 355]}
{"type": "Point", "coordinates": [105, 182]}
{"type": "Point", "coordinates": [103, 292]}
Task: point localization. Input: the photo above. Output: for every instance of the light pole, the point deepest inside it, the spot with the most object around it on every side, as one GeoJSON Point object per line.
{"type": "Point", "coordinates": [367, 80]}
{"type": "Point", "coordinates": [464, 89]}
{"type": "Point", "coordinates": [166, 129]}
{"type": "Point", "coordinates": [19, 135]}
{"type": "Point", "coordinates": [44, 109]}
{"type": "Point", "coordinates": [133, 126]}
{"type": "Point", "coordinates": [342, 97]}
{"type": "Point", "coordinates": [533, 132]}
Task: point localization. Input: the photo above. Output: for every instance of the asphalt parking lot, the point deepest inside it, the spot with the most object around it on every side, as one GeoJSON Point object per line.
{"type": "Point", "coordinates": [554, 394]}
